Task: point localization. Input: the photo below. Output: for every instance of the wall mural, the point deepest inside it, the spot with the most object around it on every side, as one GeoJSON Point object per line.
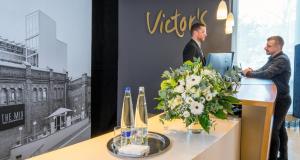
{"type": "Point", "coordinates": [45, 77]}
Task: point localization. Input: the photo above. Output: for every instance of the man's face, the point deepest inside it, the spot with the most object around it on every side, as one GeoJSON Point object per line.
{"type": "Point", "coordinates": [201, 34]}
{"type": "Point", "coordinates": [272, 47]}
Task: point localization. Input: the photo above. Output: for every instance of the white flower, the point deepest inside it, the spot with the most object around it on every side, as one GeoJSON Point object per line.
{"type": "Point", "coordinates": [207, 72]}
{"type": "Point", "coordinates": [193, 90]}
{"type": "Point", "coordinates": [173, 103]}
{"type": "Point", "coordinates": [183, 95]}
{"type": "Point", "coordinates": [186, 114]}
{"type": "Point", "coordinates": [208, 97]}
{"type": "Point", "coordinates": [178, 100]}
{"type": "Point", "coordinates": [189, 100]}
{"type": "Point", "coordinates": [196, 69]}
{"type": "Point", "coordinates": [188, 85]}
{"type": "Point", "coordinates": [202, 100]}
{"type": "Point", "coordinates": [192, 80]}
{"type": "Point", "coordinates": [206, 91]}
{"type": "Point", "coordinates": [214, 93]}
{"type": "Point", "coordinates": [181, 82]}
{"type": "Point", "coordinates": [179, 89]}
{"type": "Point", "coordinates": [198, 93]}
{"type": "Point", "coordinates": [197, 108]}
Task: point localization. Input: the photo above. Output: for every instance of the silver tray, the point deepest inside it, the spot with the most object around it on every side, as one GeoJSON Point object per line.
{"type": "Point", "coordinates": [157, 142]}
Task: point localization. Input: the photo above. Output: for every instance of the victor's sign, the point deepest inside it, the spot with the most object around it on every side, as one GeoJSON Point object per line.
{"type": "Point", "coordinates": [12, 116]}
{"type": "Point", "coordinates": [176, 23]}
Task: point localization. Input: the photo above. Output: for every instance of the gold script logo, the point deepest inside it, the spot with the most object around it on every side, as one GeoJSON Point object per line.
{"type": "Point", "coordinates": [175, 23]}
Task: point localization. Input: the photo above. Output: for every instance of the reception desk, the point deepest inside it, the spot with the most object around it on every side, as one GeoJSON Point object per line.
{"type": "Point", "coordinates": [232, 139]}
{"type": "Point", "coordinates": [258, 101]}
{"type": "Point", "coordinates": [223, 142]}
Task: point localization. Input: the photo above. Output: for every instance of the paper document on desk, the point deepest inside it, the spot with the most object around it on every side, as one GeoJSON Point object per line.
{"type": "Point", "coordinates": [133, 150]}
{"type": "Point", "coordinates": [253, 81]}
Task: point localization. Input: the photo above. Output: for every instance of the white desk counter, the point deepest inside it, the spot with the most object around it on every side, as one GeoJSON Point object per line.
{"type": "Point", "coordinates": [225, 142]}
{"type": "Point", "coordinates": [221, 143]}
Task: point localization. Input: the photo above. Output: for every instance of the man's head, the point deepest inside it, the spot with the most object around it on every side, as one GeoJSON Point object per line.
{"type": "Point", "coordinates": [274, 45]}
{"type": "Point", "coordinates": [198, 32]}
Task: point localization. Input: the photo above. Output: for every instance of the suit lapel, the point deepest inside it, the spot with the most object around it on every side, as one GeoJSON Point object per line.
{"type": "Point", "coordinates": [197, 47]}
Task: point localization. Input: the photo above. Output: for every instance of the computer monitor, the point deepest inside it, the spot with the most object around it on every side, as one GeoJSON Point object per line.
{"type": "Point", "coordinates": [221, 62]}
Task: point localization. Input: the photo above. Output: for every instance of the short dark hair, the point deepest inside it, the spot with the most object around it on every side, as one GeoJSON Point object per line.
{"type": "Point", "coordinates": [196, 26]}
{"type": "Point", "coordinates": [278, 39]}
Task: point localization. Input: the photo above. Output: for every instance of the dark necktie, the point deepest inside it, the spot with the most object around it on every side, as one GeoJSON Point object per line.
{"type": "Point", "coordinates": [202, 57]}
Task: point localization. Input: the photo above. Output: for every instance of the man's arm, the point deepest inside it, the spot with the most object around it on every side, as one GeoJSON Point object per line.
{"type": "Point", "coordinates": [262, 68]}
{"type": "Point", "coordinates": [277, 67]}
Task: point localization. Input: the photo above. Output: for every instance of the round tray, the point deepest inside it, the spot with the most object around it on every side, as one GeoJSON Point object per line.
{"type": "Point", "coordinates": [157, 142]}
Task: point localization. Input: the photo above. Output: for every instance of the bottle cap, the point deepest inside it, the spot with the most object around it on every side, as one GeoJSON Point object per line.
{"type": "Point", "coordinates": [127, 89]}
{"type": "Point", "coordinates": [141, 88]}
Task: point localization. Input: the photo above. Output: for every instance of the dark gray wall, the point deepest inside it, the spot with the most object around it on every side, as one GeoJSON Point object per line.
{"type": "Point", "coordinates": [143, 57]}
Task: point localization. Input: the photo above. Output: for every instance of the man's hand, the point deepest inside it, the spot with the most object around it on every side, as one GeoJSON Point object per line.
{"type": "Point", "coordinates": [247, 71]}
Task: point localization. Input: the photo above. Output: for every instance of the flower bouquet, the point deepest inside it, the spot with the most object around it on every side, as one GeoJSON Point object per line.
{"type": "Point", "coordinates": [194, 93]}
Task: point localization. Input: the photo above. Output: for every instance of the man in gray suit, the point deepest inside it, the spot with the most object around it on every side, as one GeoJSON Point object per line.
{"type": "Point", "coordinates": [193, 47]}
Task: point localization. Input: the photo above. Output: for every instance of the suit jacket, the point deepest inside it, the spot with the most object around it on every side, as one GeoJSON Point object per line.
{"type": "Point", "coordinates": [191, 50]}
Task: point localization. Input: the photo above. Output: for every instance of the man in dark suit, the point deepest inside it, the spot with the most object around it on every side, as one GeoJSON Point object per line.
{"type": "Point", "coordinates": [193, 47]}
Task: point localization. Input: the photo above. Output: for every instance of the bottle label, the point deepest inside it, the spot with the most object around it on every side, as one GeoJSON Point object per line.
{"type": "Point", "coordinates": [126, 133]}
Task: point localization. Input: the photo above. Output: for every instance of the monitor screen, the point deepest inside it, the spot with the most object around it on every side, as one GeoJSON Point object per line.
{"type": "Point", "coordinates": [221, 62]}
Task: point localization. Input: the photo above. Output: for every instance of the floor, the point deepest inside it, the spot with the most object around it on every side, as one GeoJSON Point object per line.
{"type": "Point", "coordinates": [294, 143]}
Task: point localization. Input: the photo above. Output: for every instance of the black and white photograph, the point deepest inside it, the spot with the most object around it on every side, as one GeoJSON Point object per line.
{"type": "Point", "coordinates": [45, 76]}
{"type": "Point", "coordinates": [149, 79]}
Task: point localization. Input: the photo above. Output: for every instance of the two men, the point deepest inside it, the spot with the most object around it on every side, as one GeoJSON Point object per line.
{"type": "Point", "coordinates": [193, 47]}
{"type": "Point", "coordinates": [278, 69]}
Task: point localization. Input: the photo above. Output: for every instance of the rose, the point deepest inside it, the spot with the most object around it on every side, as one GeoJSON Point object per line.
{"type": "Point", "coordinates": [186, 114]}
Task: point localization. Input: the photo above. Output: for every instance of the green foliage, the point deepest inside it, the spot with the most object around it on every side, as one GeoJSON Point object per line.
{"type": "Point", "coordinates": [192, 92]}
{"type": "Point", "coordinates": [205, 122]}
{"type": "Point", "coordinates": [220, 114]}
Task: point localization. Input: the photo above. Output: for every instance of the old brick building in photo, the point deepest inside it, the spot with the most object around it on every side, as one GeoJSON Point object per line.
{"type": "Point", "coordinates": [41, 107]}
{"type": "Point", "coordinates": [41, 92]}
